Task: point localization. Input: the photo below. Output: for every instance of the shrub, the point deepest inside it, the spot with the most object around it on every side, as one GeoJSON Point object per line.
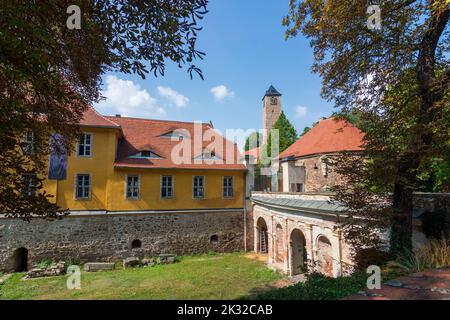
{"type": "Point", "coordinates": [72, 262]}
{"type": "Point", "coordinates": [433, 254]}
{"type": "Point", "coordinates": [369, 257]}
{"type": "Point", "coordinates": [319, 287]}
{"type": "Point", "coordinates": [43, 264]}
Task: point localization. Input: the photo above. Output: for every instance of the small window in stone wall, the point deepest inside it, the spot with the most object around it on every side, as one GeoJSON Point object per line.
{"type": "Point", "coordinates": [214, 239]}
{"type": "Point", "coordinates": [136, 244]}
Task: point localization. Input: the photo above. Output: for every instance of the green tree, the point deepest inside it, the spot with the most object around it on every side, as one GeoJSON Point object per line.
{"type": "Point", "coordinates": [287, 136]}
{"type": "Point", "coordinates": [306, 129]}
{"type": "Point", "coordinates": [254, 140]}
{"type": "Point", "coordinates": [359, 65]}
{"type": "Point", "coordinates": [49, 74]}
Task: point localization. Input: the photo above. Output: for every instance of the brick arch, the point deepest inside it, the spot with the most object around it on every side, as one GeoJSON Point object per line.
{"type": "Point", "coordinates": [324, 257]}
{"type": "Point", "coordinates": [298, 252]}
{"type": "Point", "coordinates": [262, 235]}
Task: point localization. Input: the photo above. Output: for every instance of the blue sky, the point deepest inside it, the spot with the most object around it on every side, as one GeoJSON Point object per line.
{"type": "Point", "coordinates": [245, 52]}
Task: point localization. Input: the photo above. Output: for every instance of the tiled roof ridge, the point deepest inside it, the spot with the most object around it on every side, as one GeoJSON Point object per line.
{"type": "Point", "coordinates": [158, 120]}
{"type": "Point", "coordinates": [104, 117]}
{"type": "Point", "coordinates": [317, 140]}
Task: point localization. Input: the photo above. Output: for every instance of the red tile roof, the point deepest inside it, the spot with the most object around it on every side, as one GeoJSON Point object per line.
{"type": "Point", "coordinates": [146, 135]}
{"type": "Point", "coordinates": [94, 119]}
{"type": "Point", "coordinates": [328, 136]}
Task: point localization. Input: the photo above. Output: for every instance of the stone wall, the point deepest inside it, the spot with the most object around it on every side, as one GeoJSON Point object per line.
{"type": "Point", "coordinates": [250, 223]}
{"type": "Point", "coordinates": [434, 206]}
{"type": "Point", "coordinates": [110, 236]}
{"type": "Point", "coordinates": [315, 179]}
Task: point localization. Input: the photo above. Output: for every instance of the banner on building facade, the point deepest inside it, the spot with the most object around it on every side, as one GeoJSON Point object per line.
{"type": "Point", "coordinates": [57, 169]}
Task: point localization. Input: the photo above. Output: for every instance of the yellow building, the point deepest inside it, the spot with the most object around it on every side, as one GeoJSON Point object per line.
{"type": "Point", "coordinates": [135, 188]}
{"type": "Point", "coordinates": [128, 164]}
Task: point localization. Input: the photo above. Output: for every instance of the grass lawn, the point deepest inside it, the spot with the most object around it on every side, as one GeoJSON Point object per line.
{"type": "Point", "coordinates": [219, 276]}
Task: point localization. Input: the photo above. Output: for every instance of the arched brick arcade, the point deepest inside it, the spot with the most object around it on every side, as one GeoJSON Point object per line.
{"type": "Point", "coordinates": [298, 240]}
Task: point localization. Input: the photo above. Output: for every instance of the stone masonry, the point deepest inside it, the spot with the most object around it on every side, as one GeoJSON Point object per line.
{"type": "Point", "coordinates": [271, 113]}
{"type": "Point", "coordinates": [106, 237]}
{"type": "Point", "coordinates": [319, 178]}
{"type": "Point", "coordinates": [315, 173]}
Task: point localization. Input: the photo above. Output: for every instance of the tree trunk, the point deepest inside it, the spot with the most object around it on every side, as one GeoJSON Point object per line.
{"type": "Point", "coordinates": [430, 93]}
{"type": "Point", "coordinates": [401, 231]}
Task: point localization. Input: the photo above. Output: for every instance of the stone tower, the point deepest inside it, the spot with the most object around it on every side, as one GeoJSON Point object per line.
{"type": "Point", "coordinates": [271, 110]}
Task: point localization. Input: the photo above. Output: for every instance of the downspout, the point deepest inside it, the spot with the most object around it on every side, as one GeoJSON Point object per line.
{"type": "Point", "coordinates": [341, 271]}
{"type": "Point", "coordinates": [245, 211]}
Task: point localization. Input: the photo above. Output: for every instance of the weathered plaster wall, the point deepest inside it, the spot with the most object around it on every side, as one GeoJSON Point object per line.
{"type": "Point", "coordinates": [107, 237]}
{"type": "Point", "coordinates": [292, 175]}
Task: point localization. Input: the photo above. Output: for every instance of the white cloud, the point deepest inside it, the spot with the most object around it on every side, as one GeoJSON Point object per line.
{"type": "Point", "coordinates": [126, 98]}
{"type": "Point", "coordinates": [221, 92]}
{"type": "Point", "coordinates": [300, 111]}
{"type": "Point", "coordinates": [175, 97]}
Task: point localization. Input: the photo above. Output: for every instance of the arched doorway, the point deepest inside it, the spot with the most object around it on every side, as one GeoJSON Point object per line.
{"type": "Point", "coordinates": [262, 240]}
{"type": "Point", "coordinates": [20, 260]}
{"type": "Point", "coordinates": [279, 244]}
{"type": "Point", "coordinates": [324, 256]}
{"type": "Point", "coordinates": [298, 252]}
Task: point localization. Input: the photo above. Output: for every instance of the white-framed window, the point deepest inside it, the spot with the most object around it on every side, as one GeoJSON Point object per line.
{"type": "Point", "coordinates": [29, 184]}
{"type": "Point", "coordinates": [198, 187]}
{"type": "Point", "coordinates": [228, 187]}
{"type": "Point", "coordinates": [29, 142]}
{"type": "Point", "coordinates": [133, 185]}
{"type": "Point", "coordinates": [83, 186]}
{"type": "Point", "coordinates": [84, 145]}
{"type": "Point", "coordinates": [166, 187]}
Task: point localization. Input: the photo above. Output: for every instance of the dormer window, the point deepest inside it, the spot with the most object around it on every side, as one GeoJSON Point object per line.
{"type": "Point", "coordinates": [208, 155]}
{"type": "Point", "coordinates": [175, 135]}
{"type": "Point", "coordinates": [146, 154]}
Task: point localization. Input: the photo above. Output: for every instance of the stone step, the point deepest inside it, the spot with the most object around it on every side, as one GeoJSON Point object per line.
{"type": "Point", "coordinates": [98, 266]}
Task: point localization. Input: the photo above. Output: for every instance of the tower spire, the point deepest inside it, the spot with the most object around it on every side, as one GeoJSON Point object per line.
{"type": "Point", "coordinates": [272, 92]}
